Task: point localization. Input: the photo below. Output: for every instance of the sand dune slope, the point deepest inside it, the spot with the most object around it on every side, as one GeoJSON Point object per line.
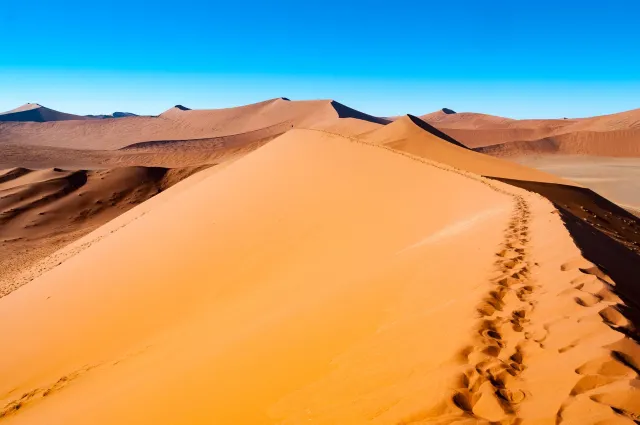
{"type": "Point", "coordinates": [165, 153]}
{"type": "Point", "coordinates": [278, 111]}
{"type": "Point", "coordinates": [37, 113]}
{"type": "Point", "coordinates": [30, 233]}
{"type": "Point", "coordinates": [613, 143]}
{"type": "Point", "coordinates": [325, 280]}
{"type": "Point", "coordinates": [43, 210]}
{"type": "Point", "coordinates": [478, 130]}
{"type": "Point", "coordinates": [607, 135]}
{"type": "Point", "coordinates": [412, 135]}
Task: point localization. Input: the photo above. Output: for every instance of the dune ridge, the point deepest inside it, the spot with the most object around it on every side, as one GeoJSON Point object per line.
{"type": "Point", "coordinates": [412, 135]}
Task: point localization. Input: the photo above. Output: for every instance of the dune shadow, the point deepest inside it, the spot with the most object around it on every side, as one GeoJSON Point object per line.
{"type": "Point", "coordinates": [347, 112]}
{"type": "Point", "coordinates": [431, 129]}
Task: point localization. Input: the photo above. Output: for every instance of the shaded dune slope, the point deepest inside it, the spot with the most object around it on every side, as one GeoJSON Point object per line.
{"type": "Point", "coordinates": [37, 113]}
{"type": "Point", "coordinates": [607, 235]}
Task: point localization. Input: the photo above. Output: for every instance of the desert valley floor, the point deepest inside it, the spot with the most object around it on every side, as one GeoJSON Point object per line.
{"type": "Point", "coordinates": [292, 262]}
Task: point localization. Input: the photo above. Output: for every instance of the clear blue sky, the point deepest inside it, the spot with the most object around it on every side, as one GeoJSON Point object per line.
{"type": "Point", "coordinates": [514, 58]}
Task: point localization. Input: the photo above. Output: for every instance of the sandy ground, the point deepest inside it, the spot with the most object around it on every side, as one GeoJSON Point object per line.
{"type": "Point", "coordinates": [324, 279]}
{"type": "Point", "coordinates": [42, 211]}
{"type": "Point", "coordinates": [617, 179]}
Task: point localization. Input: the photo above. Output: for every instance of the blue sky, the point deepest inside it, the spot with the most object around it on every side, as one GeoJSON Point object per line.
{"type": "Point", "coordinates": [513, 58]}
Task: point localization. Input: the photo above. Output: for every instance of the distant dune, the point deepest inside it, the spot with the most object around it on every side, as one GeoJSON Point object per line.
{"type": "Point", "coordinates": [114, 115]}
{"type": "Point", "coordinates": [262, 119]}
{"type": "Point", "coordinates": [608, 135]}
{"type": "Point", "coordinates": [106, 145]}
{"type": "Point", "coordinates": [33, 112]}
{"type": "Point", "coordinates": [412, 135]}
{"type": "Point", "coordinates": [37, 113]}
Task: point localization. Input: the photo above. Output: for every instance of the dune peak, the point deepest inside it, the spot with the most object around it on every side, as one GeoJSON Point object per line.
{"type": "Point", "coordinates": [37, 113]}
{"type": "Point", "coordinates": [431, 129]}
{"type": "Point", "coordinates": [344, 111]}
{"type": "Point", "coordinates": [448, 111]}
{"type": "Point", "coordinates": [27, 107]}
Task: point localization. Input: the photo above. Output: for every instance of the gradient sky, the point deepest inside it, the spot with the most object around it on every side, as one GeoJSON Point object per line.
{"type": "Point", "coordinates": [513, 58]}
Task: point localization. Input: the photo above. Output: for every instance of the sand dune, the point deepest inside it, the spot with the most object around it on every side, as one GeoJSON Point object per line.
{"type": "Point", "coordinates": [615, 143]}
{"type": "Point", "coordinates": [263, 114]}
{"type": "Point", "coordinates": [179, 137]}
{"type": "Point", "coordinates": [347, 126]}
{"type": "Point", "coordinates": [545, 143]}
{"type": "Point", "coordinates": [412, 135]}
{"type": "Point", "coordinates": [215, 284]}
{"type": "Point", "coordinates": [607, 135]}
{"type": "Point", "coordinates": [44, 210]}
{"type": "Point", "coordinates": [274, 116]}
{"type": "Point", "coordinates": [325, 279]}
{"type": "Point", "coordinates": [164, 153]}
{"type": "Point", "coordinates": [168, 141]}
{"type": "Point", "coordinates": [619, 121]}
{"type": "Point", "coordinates": [37, 113]}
